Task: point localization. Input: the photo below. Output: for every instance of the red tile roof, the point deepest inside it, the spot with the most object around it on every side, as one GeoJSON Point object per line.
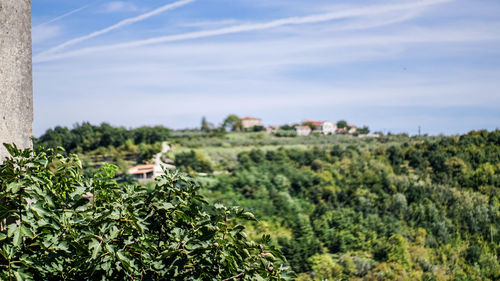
{"type": "Point", "coordinates": [315, 123]}
{"type": "Point", "coordinates": [303, 127]}
{"type": "Point", "coordinates": [141, 169]}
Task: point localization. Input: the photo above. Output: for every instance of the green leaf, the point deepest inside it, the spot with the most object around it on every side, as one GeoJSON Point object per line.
{"type": "Point", "coordinates": [18, 276]}
{"type": "Point", "coordinates": [95, 247]}
{"type": "Point", "coordinates": [114, 232]}
{"type": "Point", "coordinates": [12, 149]}
{"type": "Point", "coordinates": [79, 191]}
{"type": "Point", "coordinates": [21, 275]}
{"type": "Point", "coordinates": [18, 237]}
{"type": "Point", "coordinates": [11, 229]}
{"type": "Point", "coordinates": [165, 206]}
{"type": "Point", "coordinates": [38, 210]}
{"type": "Point", "coordinates": [27, 232]}
{"type": "Point", "coordinates": [14, 187]}
{"type": "Point", "coordinates": [122, 257]}
{"type": "Point", "coordinates": [239, 228]}
{"type": "Point", "coordinates": [248, 216]}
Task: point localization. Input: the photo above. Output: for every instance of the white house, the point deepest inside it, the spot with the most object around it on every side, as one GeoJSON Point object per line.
{"type": "Point", "coordinates": [328, 128]}
{"type": "Point", "coordinates": [323, 127]}
{"type": "Point", "coordinates": [303, 130]}
{"type": "Point", "coordinates": [146, 173]}
{"type": "Point", "coordinates": [352, 129]}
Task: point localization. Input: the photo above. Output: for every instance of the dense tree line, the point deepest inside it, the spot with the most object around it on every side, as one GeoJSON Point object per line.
{"type": "Point", "coordinates": [193, 161]}
{"type": "Point", "coordinates": [423, 209]}
{"type": "Point", "coordinates": [86, 137]}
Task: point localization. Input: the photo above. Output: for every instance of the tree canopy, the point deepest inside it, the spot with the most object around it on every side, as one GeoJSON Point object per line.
{"type": "Point", "coordinates": [233, 123]}
{"type": "Point", "coordinates": [56, 224]}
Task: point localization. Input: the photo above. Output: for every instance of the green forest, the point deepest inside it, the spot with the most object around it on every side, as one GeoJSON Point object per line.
{"type": "Point", "coordinates": [338, 207]}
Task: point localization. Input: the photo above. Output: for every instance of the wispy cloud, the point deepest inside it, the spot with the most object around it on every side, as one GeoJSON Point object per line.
{"type": "Point", "coordinates": [65, 15]}
{"type": "Point", "coordinates": [317, 18]}
{"type": "Point", "coordinates": [119, 6]}
{"type": "Point", "coordinates": [118, 25]}
{"type": "Point", "coordinates": [213, 23]}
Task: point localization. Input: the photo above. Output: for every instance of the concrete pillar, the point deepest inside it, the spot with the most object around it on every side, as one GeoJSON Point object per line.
{"type": "Point", "coordinates": [16, 84]}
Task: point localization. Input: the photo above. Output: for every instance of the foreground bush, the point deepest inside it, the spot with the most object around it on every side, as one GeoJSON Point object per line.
{"type": "Point", "coordinates": [58, 225]}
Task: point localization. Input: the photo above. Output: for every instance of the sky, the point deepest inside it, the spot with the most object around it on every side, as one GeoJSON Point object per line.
{"type": "Point", "coordinates": [392, 65]}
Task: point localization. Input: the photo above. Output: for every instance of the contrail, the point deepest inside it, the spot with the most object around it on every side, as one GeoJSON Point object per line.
{"type": "Point", "coordinates": [66, 14]}
{"type": "Point", "coordinates": [318, 18]}
{"type": "Point", "coordinates": [118, 25]}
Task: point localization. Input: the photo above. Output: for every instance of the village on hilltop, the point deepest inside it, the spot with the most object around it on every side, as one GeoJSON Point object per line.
{"type": "Point", "coordinates": [307, 127]}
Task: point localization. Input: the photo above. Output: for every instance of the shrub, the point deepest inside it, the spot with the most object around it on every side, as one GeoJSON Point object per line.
{"type": "Point", "coordinates": [58, 225]}
{"type": "Point", "coordinates": [194, 160]}
{"type": "Point", "coordinates": [284, 133]}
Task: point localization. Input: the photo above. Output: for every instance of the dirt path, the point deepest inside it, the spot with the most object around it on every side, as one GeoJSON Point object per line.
{"type": "Point", "coordinates": [165, 148]}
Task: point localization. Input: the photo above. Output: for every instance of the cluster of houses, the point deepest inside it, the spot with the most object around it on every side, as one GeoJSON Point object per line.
{"type": "Point", "coordinates": [307, 127]}
{"type": "Point", "coordinates": [323, 127]}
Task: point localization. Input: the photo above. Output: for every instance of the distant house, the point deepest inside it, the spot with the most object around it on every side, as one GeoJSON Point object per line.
{"type": "Point", "coordinates": [303, 130]}
{"type": "Point", "coordinates": [323, 127]}
{"type": "Point", "coordinates": [328, 128]}
{"type": "Point", "coordinates": [146, 173]}
{"type": "Point", "coordinates": [250, 122]}
{"type": "Point", "coordinates": [352, 129]}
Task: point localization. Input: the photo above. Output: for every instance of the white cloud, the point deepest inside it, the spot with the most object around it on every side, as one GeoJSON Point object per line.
{"type": "Point", "coordinates": [120, 24]}
{"type": "Point", "coordinates": [220, 75]}
{"type": "Point", "coordinates": [119, 6]}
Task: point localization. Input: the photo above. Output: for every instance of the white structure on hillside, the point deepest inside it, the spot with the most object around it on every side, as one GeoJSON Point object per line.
{"type": "Point", "coordinates": [146, 173]}
{"type": "Point", "coordinates": [303, 130]}
{"type": "Point", "coordinates": [327, 128]}
{"type": "Point", "coordinates": [323, 127]}
{"type": "Point", "coordinates": [250, 122]}
{"type": "Point", "coordinates": [352, 129]}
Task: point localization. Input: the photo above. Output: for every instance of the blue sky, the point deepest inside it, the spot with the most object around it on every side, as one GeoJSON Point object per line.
{"type": "Point", "coordinates": [391, 65]}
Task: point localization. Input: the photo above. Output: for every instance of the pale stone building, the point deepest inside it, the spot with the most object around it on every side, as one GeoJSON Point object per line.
{"type": "Point", "coordinates": [250, 122]}
{"type": "Point", "coordinates": [327, 128]}
{"type": "Point", "coordinates": [303, 130]}
{"type": "Point", "coordinates": [323, 127]}
{"type": "Point", "coordinates": [146, 173]}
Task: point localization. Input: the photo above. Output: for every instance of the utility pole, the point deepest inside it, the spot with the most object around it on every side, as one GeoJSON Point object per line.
{"type": "Point", "coordinates": [16, 82]}
{"type": "Point", "coordinates": [419, 131]}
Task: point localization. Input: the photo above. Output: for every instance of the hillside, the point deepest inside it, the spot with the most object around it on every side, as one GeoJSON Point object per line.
{"type": "Point", "coordinates": [345, 208]}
